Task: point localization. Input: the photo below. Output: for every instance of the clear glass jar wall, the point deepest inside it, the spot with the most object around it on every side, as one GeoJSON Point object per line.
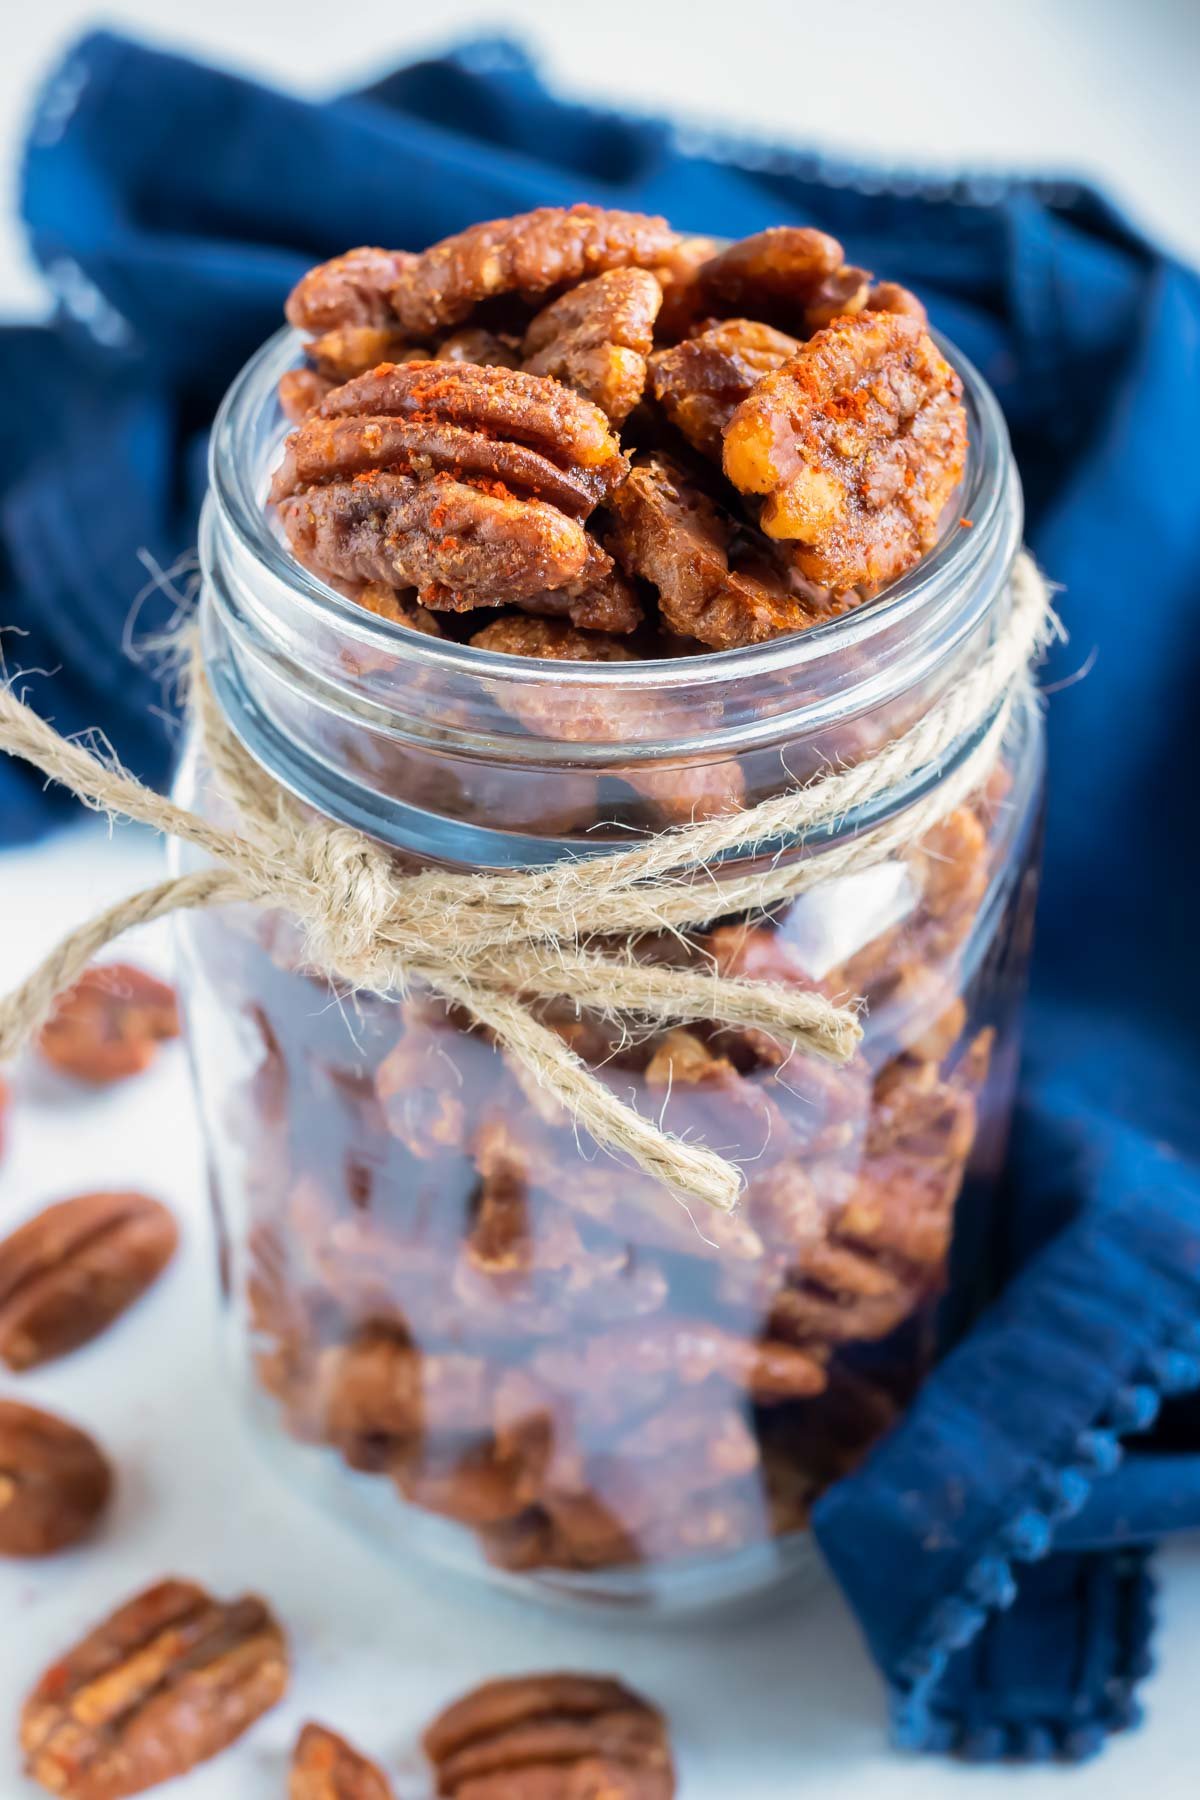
{"type": "Point", "coordinates": [455, 1319]}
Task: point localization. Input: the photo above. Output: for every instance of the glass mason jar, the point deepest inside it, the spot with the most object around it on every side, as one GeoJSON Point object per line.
{"type": "Point", "coordinates": [453, 1317]}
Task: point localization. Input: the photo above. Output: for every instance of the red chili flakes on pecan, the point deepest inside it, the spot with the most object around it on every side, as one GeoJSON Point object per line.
{"type": "Point", "coordinates": [110, 1024]}
{"type": "Point", "coordinates": [671, 533]}
{"type": "Point", "coordinates": [69, 1272]}
{"type": "Point", "coordinates": [596, 339]}
{"type": "Point", "coordinates": [352, 289]}
{"type": "Point", "coordinates": [700, 382]}
{"type": "Point", "coordinates": [551, 1737]}
{"type": "Point", "coordinates": [326, 1767]}
{"type": "Point", "coordinates": [858, 444]}
{"type": "Point", "coordinates": [531, 254]}
{"type": "Point", "coordinates": [166, 1682]}
{"type": "Point", "coordinates": [54, 1482]}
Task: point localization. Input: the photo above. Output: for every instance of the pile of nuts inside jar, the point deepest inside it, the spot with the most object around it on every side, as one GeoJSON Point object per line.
{"type": "Point", "coordinates": [577, 434]}
{"type": "Point", "coordinates": [175, 1676]}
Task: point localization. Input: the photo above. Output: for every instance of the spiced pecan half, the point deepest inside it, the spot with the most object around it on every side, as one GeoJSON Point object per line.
{"type": "Point", "coordinates": [301, 392]}
{"type": "Point", "coordinates": [530, 254]}
{"type": "Point", "coordinates": [596, 339]}
{"type": "Point", "coordinates": [164, 1683]}
{"type": "Point", "coordinates": [67, 1273]}
{"type": "Point", "coordinates": [857, 444]}
{"type": "Point", "coordinates": [351, 350]}
{"type": "Point", "coordinates": [326, 1767]}
{"type": "Point", "coordinates": [551, 1737]}
{"type": "Point", "coordinates": [110, 1024]}
{"type": "Point", "coordinates": [352, 289]}
{"type": "Point", "coordinates": [54, 1482]}
{"type": "Point", "coordinates": [789, 275]}
{"type": "Point", "coordinates": [699, 382]}
{"type": "Point", "coordinates": [713, 583]}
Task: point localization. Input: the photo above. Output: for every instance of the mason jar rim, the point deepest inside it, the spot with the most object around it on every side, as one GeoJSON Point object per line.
{"type": "Point", "coordinates": [989, 499]}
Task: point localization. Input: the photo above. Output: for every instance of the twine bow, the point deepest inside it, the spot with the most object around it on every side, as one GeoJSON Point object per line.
{"type": "Point", "coordinates": [497, 943]}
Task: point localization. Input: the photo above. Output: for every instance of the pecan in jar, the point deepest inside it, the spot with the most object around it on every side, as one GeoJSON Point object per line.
{"type": "Point", "coordinates": [54, 1482]}
{"type": "Point", "coordinates": [534, 253]}
{"type": "Point", "coordinates": [110, 1024]}
{"type": "Point", "coordinates": [858, 445]}
{"type": "Point", "coordinates": [165, 1682]}
{"type": "Point", "coordinates": [596, 339]}
{"type": "Point", "coordinates": [689, 1350]}
{"type": "Point", "coordinates": [326, 1767]}
{"type": "Point", "coordinates": [351, 350]}
{"type": "Point", "coordinates": [351, 289]}
{"type": "Point", "coordinates": [301, 392]}
{"type": "Point", "coordinates": [474, 345]}
{"type": "Point", "coordinates": [700, 382]}
{"type": "Point", "coordinates": [712, 584]}
{"type": "Point", "coordinates": [789, 275]}
{"type": "Point", "coordinates": [467, 483]}
{"type": "Point", "coordinates": [551, 1737]}
{"type": "Point", "coordinates": [69, 1272]}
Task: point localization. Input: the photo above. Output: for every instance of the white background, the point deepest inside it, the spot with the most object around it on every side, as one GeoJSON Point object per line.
{"type": "Point", "coordinates": [777, 1707]}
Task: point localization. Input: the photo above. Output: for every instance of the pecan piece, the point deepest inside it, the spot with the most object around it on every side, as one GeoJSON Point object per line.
{"type": "Point", "coordinates": [553, 639]}
{"type": "Point", "coordinates": [352, 289]}
{"type": "Point", "coordinates": [671, 533]}
{"type": "Point", "coordinates": [683, 302]}
{"type": "Point", "coordinates": [166, 1682]}
{"type": "Point", "coordinates": [54, 1482]}
{"type": "Point", "coordinates": [326, 1767]}
{"type": "Point", "coordinates": [596, 339]}
{"type": "Point", "coordinates": [351, 350]}
{"type": "Point", "coordinates": [474, 345]}
{"type": "Point", "coordinates": [791, 275]}
{"type": "Point", "coordinates": [551, 1737]}
{"type": "Point", "coordinates": [889, 296]}
{"type": "Point", "coordinates": [858, 444]}
{"type": "Point", "coordinates": [441, 537]}
{"type": "Point", "coordinates": [379, 1386]}
{"type": "Point", "coordinates": [701, 381]}
{"type": "Point", "coordinates": [532, 253]}
{"type": "Point", "coordinates": [66, 1274]}
{"type": "Point", "coordinates": [301, 392]}
{"type": "Point", "coordinates": [400, 608]}
{"type": "Point", "coordinates": [110, 1024]}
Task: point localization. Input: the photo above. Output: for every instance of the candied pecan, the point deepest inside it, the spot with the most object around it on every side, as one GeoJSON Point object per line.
{"type": "Point", "coordinates": [700, 382]}
{"type": "Point", "coordinates": [351, 350]}
{"type": "Point", "coordinates": [380, 1386]}
{"type": "Point", "coordinates": [596, 339]}
{"type": "Point", "coordinates": [951, 864]}
{"type": "Point", "coordinates": [475, 346]}
{"type": "Point", "coordinates": [553, 639]}
{"type": "Point", "coordinates": [889, 296]}
{"type": "Point", "coordinates": [166, 1682]}
{"type": "Point", "coordinates": [691, 1350]}
{"type": "Point", "coordinates": [326, 1767]}
{"type": "Point", "coordinates": [67, 1273]}
{"type": "Point", "coordinates": [110, 1024]}
{"type": "Point", "coordinates": [439, 537]}
{"type": "Point", "coordinates": [348, 290]}
{"type": "Point", "coordinates": [551, 1737]}
{"type": "Point", "coordinates": [301, 392]}
{"type": "Point", "coordinates": [683, 301]}
{"type": "Point", "coordinates": [401, 608]}
{"type": "Point", "coordinates": [420, 1086]}
{"type": "Point", "coordinates": [601, 600]}
{"type": "Point", "coordinates": [54, 1482]}
{"type": "Point", "coordinates": [775, 275]}
{"type": "Point", "coordinates": [477, 1487]}
{"type": "Point", "coordinates": [499, 1237]}
{"type": "Point", "coordinates": [858, 444]}
{"type": "Point", "coordinates": [839, 295]}
{"type": "Point", "coordinates": [670, 532]}
{"type": "Point", "coordinates": [508, 406]}
{"type": "Point", "coordinates": [533, 253]}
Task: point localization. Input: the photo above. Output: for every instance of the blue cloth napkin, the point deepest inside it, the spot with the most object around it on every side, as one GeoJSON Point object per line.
{"type": "Point", "coordinates": [995, 1545]}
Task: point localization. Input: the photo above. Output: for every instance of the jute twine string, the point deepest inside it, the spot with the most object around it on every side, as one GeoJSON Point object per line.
{"type": "Point", "coordinates": [493, 943]}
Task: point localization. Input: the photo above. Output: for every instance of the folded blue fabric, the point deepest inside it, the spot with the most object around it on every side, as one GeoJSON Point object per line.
{"type": "Point", "coordinates": [995, 1546]}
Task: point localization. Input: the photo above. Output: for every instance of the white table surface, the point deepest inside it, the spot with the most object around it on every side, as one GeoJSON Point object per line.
{"type": "Point", "coordinates": [777, 1707]}
{"type": "Point", "coordinates": [766, 1708]}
